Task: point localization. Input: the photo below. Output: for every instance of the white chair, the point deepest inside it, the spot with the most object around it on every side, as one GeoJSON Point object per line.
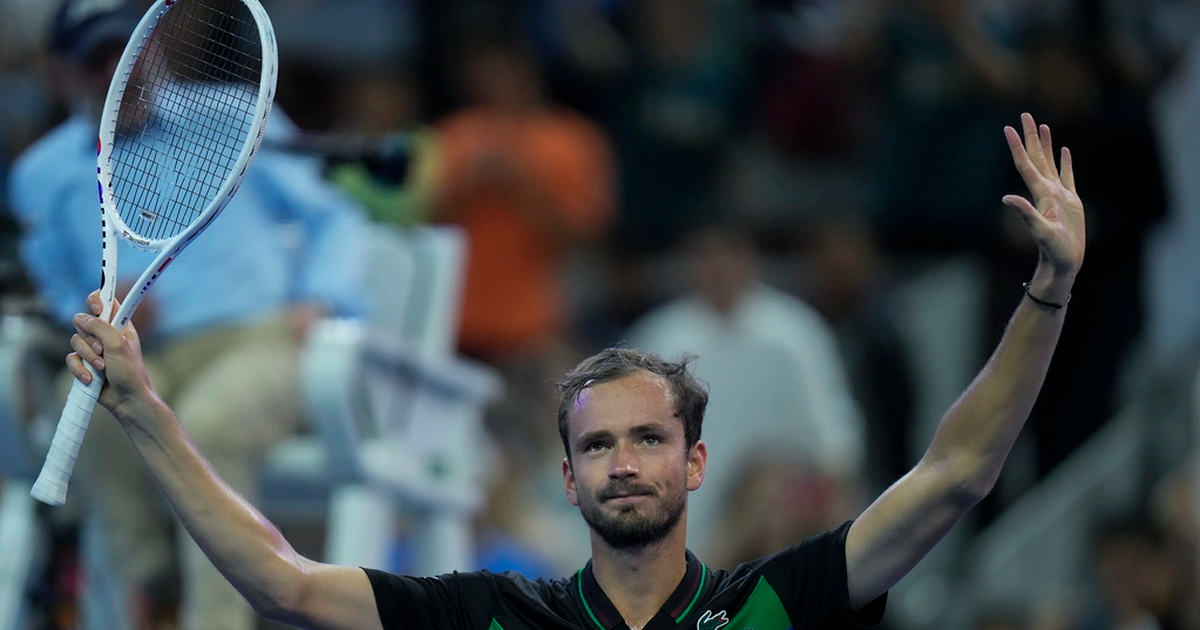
{"type": "Point", "coordinates": [399, 413]}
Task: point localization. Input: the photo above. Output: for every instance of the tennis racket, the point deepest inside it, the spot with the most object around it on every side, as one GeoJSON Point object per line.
{"type": "Point", "coordinates": [184, 117]}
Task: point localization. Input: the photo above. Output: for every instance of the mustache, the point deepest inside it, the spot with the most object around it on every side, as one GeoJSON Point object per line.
{"type": "Point", "coordinates": [623, 488]}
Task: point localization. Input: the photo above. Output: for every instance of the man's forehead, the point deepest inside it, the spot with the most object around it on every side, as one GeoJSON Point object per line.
{"type": "Point", "coordinates": [639, 398]}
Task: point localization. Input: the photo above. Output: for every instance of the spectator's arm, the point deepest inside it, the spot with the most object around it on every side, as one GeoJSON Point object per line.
{"type": "Point", "coordinates": [54, 262]}
{"type": "Point", "coordinates": [331, 258]}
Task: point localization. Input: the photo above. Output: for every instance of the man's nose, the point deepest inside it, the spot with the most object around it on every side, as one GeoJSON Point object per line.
{"type": "Point", "coordinates": [624, 464]}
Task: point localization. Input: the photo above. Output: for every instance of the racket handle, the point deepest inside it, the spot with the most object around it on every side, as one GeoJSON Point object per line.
{"type": "Point", "coordinates": [51, 485]}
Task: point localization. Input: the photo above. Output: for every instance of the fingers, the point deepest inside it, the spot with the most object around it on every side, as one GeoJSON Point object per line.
{"type": "Point", "coordinates": [1029, 214]}
{"type": "Point", "coordinates": [91, 343]}
{"type": "Point", "coordinates": [1047, 149]}
{"type": "Point", "coordinates": [1030, 173]}
{"type": "Point", "coordinates": [1068, 170]}
{"type": "Point", "coordinates": [87, 347]}
{"type": "Point", "coordinates": [97, 329]}
{"type": "Point", "coordinates": [88, 351]}
{"type": "Point", "coordinates": [1034, 144]}
{"type": "Point", "coordinates": [78, 369]}
{"type": "Point", "coordinates": [94, 303]}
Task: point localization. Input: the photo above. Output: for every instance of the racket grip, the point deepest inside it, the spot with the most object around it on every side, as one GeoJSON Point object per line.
{"type": "Point", "coordinates": [51, 485]}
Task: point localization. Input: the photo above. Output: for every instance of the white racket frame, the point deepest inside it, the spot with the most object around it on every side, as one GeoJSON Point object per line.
{"type": "Point", "coordinates": [52, 482]}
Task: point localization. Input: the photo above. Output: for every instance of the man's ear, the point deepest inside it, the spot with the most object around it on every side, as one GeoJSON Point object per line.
{"type": "Point", "coordinates": [569, 483]}
{"type": "Point", "coordinates": [697, 460]}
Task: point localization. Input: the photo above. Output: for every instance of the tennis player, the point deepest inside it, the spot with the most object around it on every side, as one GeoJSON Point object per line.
{"type": "Point", "coordinates": [630, 423]}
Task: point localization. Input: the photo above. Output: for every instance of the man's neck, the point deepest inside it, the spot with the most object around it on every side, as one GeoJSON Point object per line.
{"type": "Point", "coordinates": [639, 581]}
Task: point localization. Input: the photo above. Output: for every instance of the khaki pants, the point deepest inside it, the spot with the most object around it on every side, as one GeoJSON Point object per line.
{"type": "Point", "coordinates": [236, 392]}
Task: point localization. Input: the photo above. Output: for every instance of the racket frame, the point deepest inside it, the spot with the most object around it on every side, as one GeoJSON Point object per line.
{"type": "Point", "coordinates": [51, 484]}
{"type": "Point", "coordinates": [112, 224]}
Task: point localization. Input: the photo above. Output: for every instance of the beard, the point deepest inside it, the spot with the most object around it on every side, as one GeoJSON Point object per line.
{"type": "Point", "coordinates": [628, 528]}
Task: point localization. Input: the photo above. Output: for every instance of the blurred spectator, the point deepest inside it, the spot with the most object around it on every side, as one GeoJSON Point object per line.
{"type": "Point", "coordinates": [582, 49]}
{"type": "Point", "coordinates": [810, 102]}
{"type": "Point", "coordinates": [530, 184]}
{"type": "Point", "coordinates": [1173, 503]}
{"type": "Point", "coordinates": [672, 116]}
{"type": "Point", "coordinates": [850, 288]}
{"type": "Point", "coordinates": [809, 118]}
{"type": "Point", "coordinates": [396, 182]}
{"type": "Point", "coordinates": [1141, 580]}
{"type": "Point", "coordinates": [24, 112]}
{"type": "Point", "coordinates": [1001, 618]}
{"type": "Point", "coordinates": [773, 369]}
{"type": "Point", "coordinates": [673, 111]}
{"type": "Point", "coordinates": [772, 503]}
{"type": "Point", "coordinates": [946, 76]}
{"type": "Point", "coordinates": [221, 331]}
{"type": "Point", "coordinates": [25, 109]}
{"type": "Point", "coordinates": [1173, 303]}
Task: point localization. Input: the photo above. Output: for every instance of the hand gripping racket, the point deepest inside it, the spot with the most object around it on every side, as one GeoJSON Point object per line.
{"type": "Point", "coordinates": [183, 119]}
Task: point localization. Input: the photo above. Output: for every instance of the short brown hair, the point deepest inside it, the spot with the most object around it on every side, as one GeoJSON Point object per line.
{"type": "Point", "coordinates": [615, 363]}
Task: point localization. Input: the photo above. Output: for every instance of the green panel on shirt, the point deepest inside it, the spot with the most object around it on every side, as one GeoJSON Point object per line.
{"type": "Point", "coordinates": [762, 611]}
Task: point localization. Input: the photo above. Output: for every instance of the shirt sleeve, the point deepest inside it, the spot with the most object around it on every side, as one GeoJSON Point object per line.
{"type": "Point", "coordinates": [581, 178]}
{"type": "Point", "coordinates": [455, 601]}
{"type": "Point", "coordinates": [836, 416]}
{"type": "Point", "coordinates": [51, 258]}
{"type": "Point", "coordinates": [823, 390]}
{"type": "Point", "coordinates": [811, 580]}
{"type": "Point", "coordinates": [331, 261]}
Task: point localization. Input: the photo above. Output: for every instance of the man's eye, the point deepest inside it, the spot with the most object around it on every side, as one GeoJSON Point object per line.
{"type": "Point", "coordinates": [652, 440]}
{"type": "Point", "coordinates": [593, 446]}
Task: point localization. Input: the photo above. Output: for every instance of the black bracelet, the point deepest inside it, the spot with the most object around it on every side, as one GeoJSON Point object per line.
{"type": "Point", "coordinates": [1044, 302]}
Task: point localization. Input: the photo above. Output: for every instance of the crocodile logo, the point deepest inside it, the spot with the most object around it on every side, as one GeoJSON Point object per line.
{"type": "Point", "coordinates": [710, 621]}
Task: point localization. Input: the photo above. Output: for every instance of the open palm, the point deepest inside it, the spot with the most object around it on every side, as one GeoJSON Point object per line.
{"type": "Point", "coordinates": [1055, 218]}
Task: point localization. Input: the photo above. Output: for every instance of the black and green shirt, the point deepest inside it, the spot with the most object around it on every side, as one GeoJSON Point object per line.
{"type": "Point", "coordinates": [802, 587]}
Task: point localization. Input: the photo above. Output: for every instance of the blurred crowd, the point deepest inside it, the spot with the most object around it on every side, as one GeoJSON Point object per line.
{"type": "Point", "coordinates": [758, 182]}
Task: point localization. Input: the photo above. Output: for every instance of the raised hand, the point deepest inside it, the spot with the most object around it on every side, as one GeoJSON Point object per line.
{"type": "Point", "coordinates": [117, 353]}
{"type": "Point", "coordinates": [1055, 218]}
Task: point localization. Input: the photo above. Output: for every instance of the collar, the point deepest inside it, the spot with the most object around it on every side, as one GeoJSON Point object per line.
{"type": "Point", "coordinates": [604, 615]}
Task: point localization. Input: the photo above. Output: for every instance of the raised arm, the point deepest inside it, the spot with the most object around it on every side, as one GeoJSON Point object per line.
{"type": "Point", "coordinates": [970, 446]}
{"type": "Point", "coordinates": [248, 550]}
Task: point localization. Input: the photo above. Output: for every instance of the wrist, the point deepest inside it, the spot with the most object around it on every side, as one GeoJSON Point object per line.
{"type": "Point", "coordinates": [1052, 285]}
{"type": "Point", "coordinates": [142, 409]}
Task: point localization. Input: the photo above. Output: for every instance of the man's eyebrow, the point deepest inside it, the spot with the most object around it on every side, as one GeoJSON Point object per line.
{"type": "Point", "coordinates": [593, 435]}
{"type": "Point", "coordinates": [651, 427]}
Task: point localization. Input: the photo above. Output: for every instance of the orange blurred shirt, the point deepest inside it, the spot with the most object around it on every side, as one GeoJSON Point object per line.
{"type": "Point", "coordinates": [527, 189]}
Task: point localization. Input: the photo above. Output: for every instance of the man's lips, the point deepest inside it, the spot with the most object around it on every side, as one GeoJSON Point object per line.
{"type": "Point", "coordinates": [625, 496]}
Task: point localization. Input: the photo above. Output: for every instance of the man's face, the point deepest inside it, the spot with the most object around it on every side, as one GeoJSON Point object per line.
{"type": "Point", "coordinates": [99, 65]}
{"type": "Point", "coordinates": [84, 81]}
{"type": "Point", "coordinates": [630, 470]}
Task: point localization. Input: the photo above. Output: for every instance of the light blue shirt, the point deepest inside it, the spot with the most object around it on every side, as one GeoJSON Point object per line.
{"type": "Point", "coordinates": [288, 236]}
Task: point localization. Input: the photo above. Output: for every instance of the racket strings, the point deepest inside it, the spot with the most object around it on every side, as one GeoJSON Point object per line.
{"type": "Point", "coordinates": [185, 114]}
